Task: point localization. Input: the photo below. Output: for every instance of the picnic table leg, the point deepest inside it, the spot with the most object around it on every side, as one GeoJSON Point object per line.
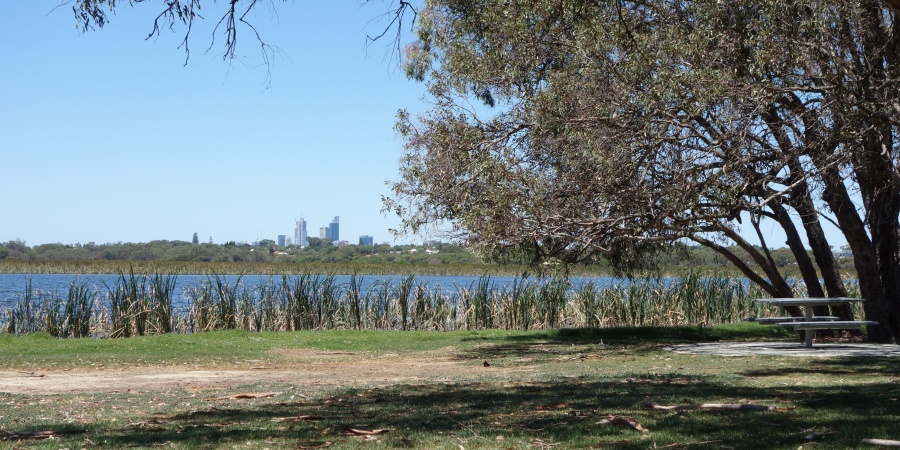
{"type": "Point", "coordinates": [808, 315]}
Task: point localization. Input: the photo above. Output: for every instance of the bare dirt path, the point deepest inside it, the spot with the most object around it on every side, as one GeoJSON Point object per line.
{"type": "Point", "coordinates": [296, 367]}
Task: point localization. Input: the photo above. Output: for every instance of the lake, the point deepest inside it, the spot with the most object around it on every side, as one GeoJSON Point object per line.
{"type": "Point", "coordinates": [12, 286]}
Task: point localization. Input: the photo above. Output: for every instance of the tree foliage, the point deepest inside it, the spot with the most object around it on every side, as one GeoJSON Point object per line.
{"type": "Point", "coordinates": [572, 130]}
{"type": "Point", "coordinates": [233, 18]}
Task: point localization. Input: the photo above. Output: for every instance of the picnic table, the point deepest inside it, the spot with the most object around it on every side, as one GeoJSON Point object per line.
{"type": "Point", "coordinates": [809, 322]}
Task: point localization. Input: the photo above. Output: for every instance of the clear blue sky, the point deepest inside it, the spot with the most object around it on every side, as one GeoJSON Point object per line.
{"type": "Point", "coordinates": [106, 137]}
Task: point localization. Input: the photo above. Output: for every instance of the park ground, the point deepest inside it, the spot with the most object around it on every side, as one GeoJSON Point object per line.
{"type": "Point", "coordinates": [485, 389]}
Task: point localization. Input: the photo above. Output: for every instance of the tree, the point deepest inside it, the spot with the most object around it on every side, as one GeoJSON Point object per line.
{"type": "Point", "coordinates": [314, 242]}
{"type": "Point", "coordinates": [232, 17]}
{"type": "Point", "coordinates": [616, 128]}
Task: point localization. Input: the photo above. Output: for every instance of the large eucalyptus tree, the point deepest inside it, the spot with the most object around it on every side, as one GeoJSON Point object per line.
{"type": "Point", "coordinates": [610, 127]}
{"type": "Point", "coordinates": [607, 126]}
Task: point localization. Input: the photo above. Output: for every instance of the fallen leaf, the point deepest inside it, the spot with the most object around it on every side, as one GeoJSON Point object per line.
{"type": "Point", "coordinates": [358, 432]}
{"type": "Point", "coordinates": [624, 421]}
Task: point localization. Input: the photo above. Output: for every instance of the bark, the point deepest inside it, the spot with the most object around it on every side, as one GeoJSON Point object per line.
{"type": "Point", "coordinates": [803, 203]}
{"type": "Point", "coordinates": [864, 259]}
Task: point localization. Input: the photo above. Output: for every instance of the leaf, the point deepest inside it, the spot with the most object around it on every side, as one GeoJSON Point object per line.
{"type": "Point", "coordinates": [624, 421]}
{"type": "Point", "coordinates": [358, 432]}
{"type": "Point", "coordinates": [247, 395]}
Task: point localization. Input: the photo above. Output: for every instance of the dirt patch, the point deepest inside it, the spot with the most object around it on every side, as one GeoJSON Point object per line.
{"type": "Point", "coordinates": [295, 367]}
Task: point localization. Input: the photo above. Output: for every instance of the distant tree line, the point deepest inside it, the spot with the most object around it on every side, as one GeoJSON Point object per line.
{"type": "Point", "coordinates": [320, 251]}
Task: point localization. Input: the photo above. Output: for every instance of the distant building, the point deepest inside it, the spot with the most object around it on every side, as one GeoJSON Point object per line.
{"type": "Point", "coordinates": [300, 232]}
{"type": "Point", "coordinates": [334, 229]}
{"type": "Point", "coordinates": [281, 240]}
{"type": "Point", "coordinates": [325, 234]}
{"type": "Point", "coordinates": [288, 242]}
{"type": "Point", "coordinates": [366, 240]}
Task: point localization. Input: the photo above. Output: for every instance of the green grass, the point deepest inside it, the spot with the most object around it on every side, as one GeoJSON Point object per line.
{"type": "Point", "coordinates": [213, 348]}
{"type": "Point", "coordinates": [555, 388]}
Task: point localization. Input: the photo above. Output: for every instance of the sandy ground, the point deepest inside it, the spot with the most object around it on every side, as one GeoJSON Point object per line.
{"type": "Point", "coordinates": [301, 367]}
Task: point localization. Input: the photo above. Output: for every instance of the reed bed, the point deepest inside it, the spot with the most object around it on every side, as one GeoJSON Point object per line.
{"type": "Point", "coordinates": [142, 304]}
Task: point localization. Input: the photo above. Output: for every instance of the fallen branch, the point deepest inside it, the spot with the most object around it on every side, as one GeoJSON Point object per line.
{"type": "Point", "coordinates": [726, 406]}
{"type": "Point", "coordinates": [882, 442]}
{"type": "Point", "coordinates": [308, 418]}
{"type": "Point", "coordinates": [688, 444]}
{"type": "Point", "coordinates": [29, 434]}
{"type": "Point", "coordinates": [249, 395]}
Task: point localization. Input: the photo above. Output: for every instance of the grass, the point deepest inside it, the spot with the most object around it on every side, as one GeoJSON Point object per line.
{"type": "Point", "coordinates": [554, 388]}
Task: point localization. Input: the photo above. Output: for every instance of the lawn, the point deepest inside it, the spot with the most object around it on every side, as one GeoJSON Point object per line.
{"type": "Point", "coordinates": [477, 389]}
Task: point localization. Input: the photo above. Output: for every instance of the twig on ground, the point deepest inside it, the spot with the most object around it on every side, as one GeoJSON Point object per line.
{"type": "Point", "coordinates": [882, 442]}
{"type": "Point", "coordinates": [725, 406]}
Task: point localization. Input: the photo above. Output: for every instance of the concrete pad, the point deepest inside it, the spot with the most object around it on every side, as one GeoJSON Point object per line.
{"type": "Point", "coordinates": [788, 349]}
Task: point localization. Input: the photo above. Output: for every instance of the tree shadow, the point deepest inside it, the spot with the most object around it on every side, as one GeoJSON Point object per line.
{"type": "Point", "coordinates": [638, 340]}
{"type": "Point", "coordinates": [848, 366]}
{"type": "Point", "coordinates": [564, 412]}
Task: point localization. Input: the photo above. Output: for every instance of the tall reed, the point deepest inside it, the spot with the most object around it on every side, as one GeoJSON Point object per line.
{"type": "Point", "coordinates": [162, 291]}
{"type": "Point", "coordinates": [127, 310]}
{"type": "Point", "coordinates": [22, 318]}
{"type": "Point", "coordinates": [403, 291]}
{"type": "Point", "coordinates": [79, 308]}
{"type": "Point", "coordinates": [148, 304]}
{"type": "Point", "coordinates": [354, 299]}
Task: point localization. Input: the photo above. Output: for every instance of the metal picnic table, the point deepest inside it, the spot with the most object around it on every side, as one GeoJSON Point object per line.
{"type": "Point", "coordinates": [810, 323]}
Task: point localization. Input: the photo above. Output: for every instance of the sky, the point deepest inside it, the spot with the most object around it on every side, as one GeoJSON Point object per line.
{"type": "Point", "coordinates": [108, 137]}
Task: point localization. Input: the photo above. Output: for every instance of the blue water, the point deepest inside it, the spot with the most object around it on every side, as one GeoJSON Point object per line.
{"type": "Point", "coordinates": [13, 286]}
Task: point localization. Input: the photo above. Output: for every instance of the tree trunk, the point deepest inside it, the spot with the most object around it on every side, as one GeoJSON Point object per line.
{"type": "Point", "coordinates": [839, 201]}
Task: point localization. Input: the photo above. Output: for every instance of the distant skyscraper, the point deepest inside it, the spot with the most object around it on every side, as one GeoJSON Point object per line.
{"type": "Point", "coordinates": [334, 229]}
{"type": "Point", "coordinates": [325, 234]}
{"type": "Point", "coordinates": [300, 232]}
{"type": "Point", "coordinates": [281, 240]}
{"type": "Point", "coordinates": [366, 240]}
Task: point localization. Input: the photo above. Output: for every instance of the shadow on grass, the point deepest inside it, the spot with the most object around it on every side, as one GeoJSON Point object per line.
{"type": "Point", "coordinates": [849, 366]}
{"type": "Point", "coordinates": [560, 412]}
{"type": "Point", "coordinates": [639, 340]}
{"type": "Point", "coordinates": [649, 335]}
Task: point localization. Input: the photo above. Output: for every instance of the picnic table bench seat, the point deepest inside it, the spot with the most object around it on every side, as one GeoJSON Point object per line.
{"type": "Point", "coordinates": [774, 320]}
{"type": "Point", "coordinates": [827, 324]}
